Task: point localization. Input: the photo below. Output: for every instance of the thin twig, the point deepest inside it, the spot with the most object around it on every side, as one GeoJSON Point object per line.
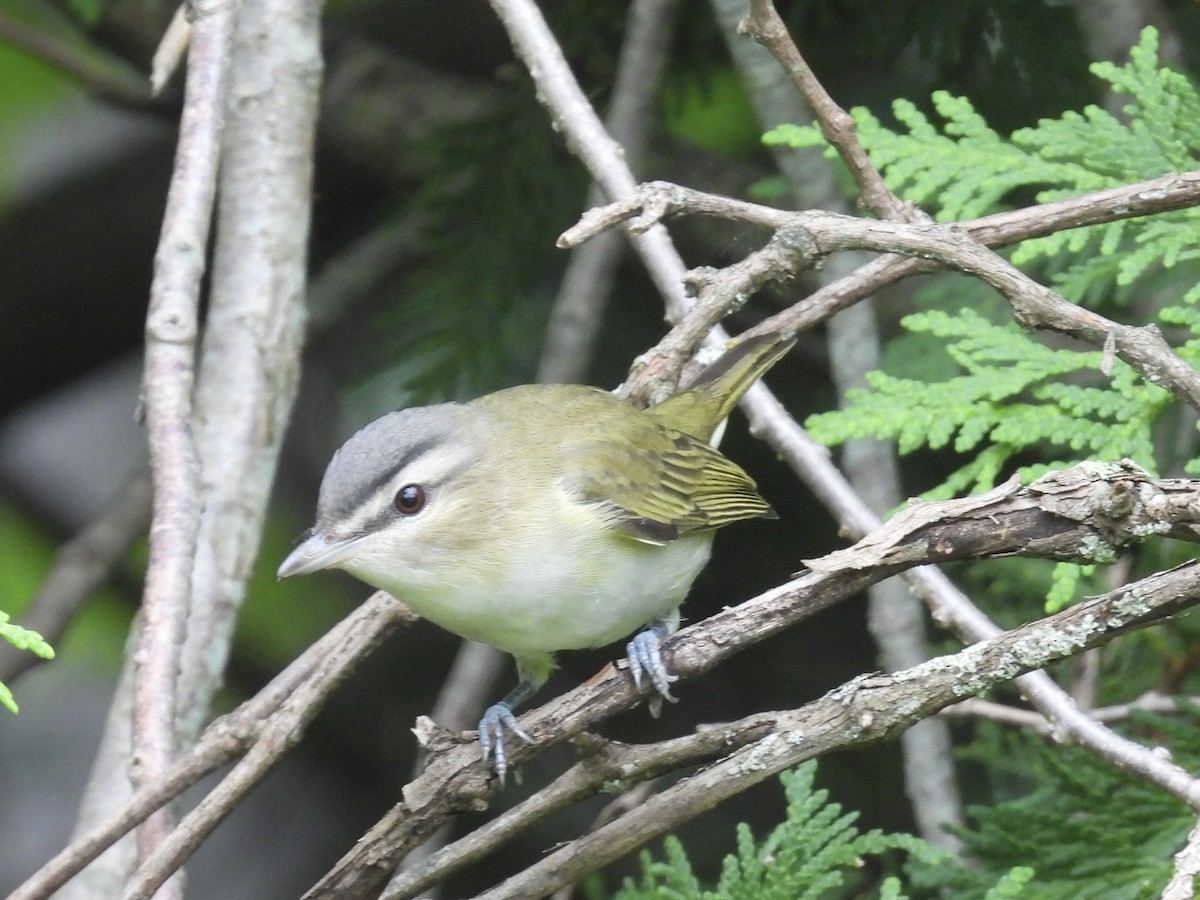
{"type": "Point", "coordinates": [169, 53]}
{"type": "Point", "coordinates": [82, 565]}
{"type": "Point", "coordinates": [171, 331]}
{"type": "Point", "coordinates": [765, 26]}
{"type": "Point", "coordinates": [574, 116]}
{"type": "Point", "coordinates": [106, 76]}
{"type": "Point", "coordinates": [801, 239]}
{"type": "Point", "coordinates": [587, 283]}
{"type": "Point", "coordinates": [865, 710]}
{"type": "Point", "coordinates": [289, 698]}
{"type": "Point", "coordinates": [1158, 195]}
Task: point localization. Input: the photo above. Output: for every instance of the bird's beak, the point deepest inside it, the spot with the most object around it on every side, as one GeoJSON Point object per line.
{"type": "Point", "coordinates": [318, 551]}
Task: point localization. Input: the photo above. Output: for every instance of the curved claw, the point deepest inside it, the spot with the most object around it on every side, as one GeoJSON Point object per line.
{"type": "Point", "coordinates": [497, 719]}
{"type": "Point", "coordinates": [645, 658]}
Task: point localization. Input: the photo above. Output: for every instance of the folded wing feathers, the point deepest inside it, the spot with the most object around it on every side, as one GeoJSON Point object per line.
{"type": "Point", "coordinates": [696, 488]}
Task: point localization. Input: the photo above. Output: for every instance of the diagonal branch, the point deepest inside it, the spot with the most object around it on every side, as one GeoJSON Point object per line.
{"type": "Point", "coordinates": [604, 763]}
{"type": "Point", "coordinates": [82, 565]}
{"type": "Point", "coordinates": [578, 309]}
{"type": "Point", "coordinates": [866, 710]}
{"type": "Point", "coordinates": [586, 136]}
{"type": "Point", "coordinates": [765, 26]}
{"type": "Point", "coordinates": [282, 708]}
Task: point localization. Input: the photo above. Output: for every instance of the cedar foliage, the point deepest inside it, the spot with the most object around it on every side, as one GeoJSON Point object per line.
{"type": "Point", "coordinates": [1058, 822]}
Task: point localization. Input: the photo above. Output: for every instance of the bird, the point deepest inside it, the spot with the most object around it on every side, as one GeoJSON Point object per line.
{"type": "Point", "coordinates": [542, 517]}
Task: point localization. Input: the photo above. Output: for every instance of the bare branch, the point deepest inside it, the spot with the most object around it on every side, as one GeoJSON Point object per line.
{"type": "Point", "coordinates": [1158, 195]}
{"type": "Point", "coordinates": [1163, 194]}
{"type": "Point", "coordinates": [250, 361]}
{"type": "Point", "coordinates": [169, 54]}
{"type": "Point", "coordinates": [866, 710]}
{"type": "Point", "coordinates": [171, 331]}
{"type": "Point", "coordinates": [82, 565]}
{"type": "Point", "coordinates": [1182, 885]}
{"type": "Point", "coordinates": [801, 239]}
{"type": "Point", "coordinates": [576, 315]}
{"type": "Point", "coordinates": [286, 704]}
{"type": "Point", "coordinates": [585, 134]}
{"type": "Point", "coordinates": [574, 117]}
{"type": "Point", "coordinates": [603, 762]}
{"type": "Point", "coordinates": [765, 26]}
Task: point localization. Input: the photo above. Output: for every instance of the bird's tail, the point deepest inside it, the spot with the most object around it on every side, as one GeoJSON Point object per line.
{"type": "Point", "coordinates": [711, 398]}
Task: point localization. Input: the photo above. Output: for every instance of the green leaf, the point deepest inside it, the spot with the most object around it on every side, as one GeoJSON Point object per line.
{"type": "Point", "coordinates": [6, 699]}
{"type": "Point", "coordinates": [22, 639]}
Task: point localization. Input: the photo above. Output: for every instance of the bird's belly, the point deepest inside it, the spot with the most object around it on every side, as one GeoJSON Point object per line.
{"type": "Point", "coordinates": [545, 601]}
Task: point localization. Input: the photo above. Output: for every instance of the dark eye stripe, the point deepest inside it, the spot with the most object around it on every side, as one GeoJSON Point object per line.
{"type": "Point", "coordinates": [415, 452]}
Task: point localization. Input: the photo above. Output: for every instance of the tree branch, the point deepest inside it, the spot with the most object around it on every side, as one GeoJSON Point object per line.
{"type": "Point", "coordinates": [171, 330]}
{"type": "Point", "coordinates": [604, 762]}
{"type": "Point", "coordinates": [866, 710]}
{"type": "Point", "coordinates": [583, 295]}
{"type": "Point", "coordinates": [765, 26]}
{"type": "Point", "coordinates": [278, 713]}
{"type": "Point", "coordinates": [250, 361]}
{"type": "Point", "coordinates": [801, 239]}
{"type": "Point", "coordinates": [1158, 195]}
{"type": "Point", "coordinates": [586, 137]}
{"type": "Point", "coordinates": [82, 565]}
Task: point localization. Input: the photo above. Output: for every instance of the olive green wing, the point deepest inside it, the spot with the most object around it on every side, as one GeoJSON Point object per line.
{"type": "Point", "coordinates": [665, 484]}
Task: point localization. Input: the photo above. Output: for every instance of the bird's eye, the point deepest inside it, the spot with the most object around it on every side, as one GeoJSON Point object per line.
{"type": "Point", "coordinates": [409, 500]}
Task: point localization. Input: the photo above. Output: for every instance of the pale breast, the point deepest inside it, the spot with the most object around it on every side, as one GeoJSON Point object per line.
{"type": "Point", "coordinates": [554, 597]}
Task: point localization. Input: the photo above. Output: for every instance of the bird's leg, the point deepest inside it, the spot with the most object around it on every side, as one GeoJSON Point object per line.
{"type": "Point", "coordinates": [499, 717]}
{"type": "Point", "coordinates": [645, 657]}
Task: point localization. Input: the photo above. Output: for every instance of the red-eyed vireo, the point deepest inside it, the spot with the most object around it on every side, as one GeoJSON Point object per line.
{"type": "Point", "coordinates": [541, 518]}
